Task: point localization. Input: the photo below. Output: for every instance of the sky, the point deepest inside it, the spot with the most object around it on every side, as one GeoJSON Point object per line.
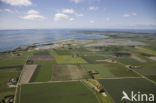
{"type": "Point", "coordinates": [51, 14]}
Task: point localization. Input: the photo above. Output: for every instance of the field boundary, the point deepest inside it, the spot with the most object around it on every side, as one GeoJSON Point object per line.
{"type": "Point", "coordinates": [18, 83]}
{"type": "Point", "coordinates": [144, 77]}
{"type": "Point", "coordinates": [120, 78]}
{"type": "Point", "coordinates": [141, 75]}
{"type": "Point", "coordinates": [51, 82]}
{"type": "Point", "coordinates": [92, 92]}
{"type": "Point", "coordinates": [52, 72]}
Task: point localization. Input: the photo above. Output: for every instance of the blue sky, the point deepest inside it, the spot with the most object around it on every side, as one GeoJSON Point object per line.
{"type": "Point", "coordinates": [28, 14]}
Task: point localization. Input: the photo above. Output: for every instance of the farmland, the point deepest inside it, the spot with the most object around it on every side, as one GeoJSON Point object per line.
{"type": "Point", "coordinates": [61, 92]}
{"type": "Point", "coordinates": [80, 70]}
{"type": "Point", "coordinates": [110, 70]}
{"type": "Point", "coordinates": [44, 74]}
{"type": "Point", "coordinates": [69, 60]}
{"type": "Point", "coordinates": [115, 87]}
{"type": "Point", "coordinates": [5, 75]}
{"type": "Point", "coordinates": [145, 50]}
{"type": "Point", "coordinates": [69, 72]}
{"type": "Point", "coordinates": [13, 60]}
{"type": "Point", "coordinates": [103, 72]}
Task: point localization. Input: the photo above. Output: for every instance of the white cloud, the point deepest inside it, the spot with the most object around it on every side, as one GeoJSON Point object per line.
{"type": "Point", "coordinates": [71, 19]}
{"type": "Point", "coordinates": [107, 19]}
{"type": "Point", "coordinates": [91, 21]}
{"type": "Point", "coordinates": [61, 16]}
{"type": "Point", "coordinates": [79, 1]}
{"type": "Point", "coordinates": [128, 15]}
{"type": "Point", "coordinates": [66, 14]}
{"type": "Point", "coordinates": [32, 12]}
{"type": "Point", "coordinates": [33, 15]}
{"type": "Point", "coordinates": [76, 1]}
{"type": "Point", "coordinates": [93, 8]}
{"type": "Point", "coordinates": [18, 2]}
{"type": "Point", "coordinates": [79, 15]}
{"type": "Point", "coordinates": [134, 14]}
{"type": "Point", "coordinates": [68, 11]}
{"type": "Point", "coordinates": [71, 11]}
{"type": "Point", "coordinates": [8, 10]}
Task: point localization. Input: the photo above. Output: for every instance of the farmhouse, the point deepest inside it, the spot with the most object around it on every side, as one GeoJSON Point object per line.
{"type": "Point", "coordinates": [98, 89]}
{"type": "Point", "coordinates": [12, 82]}
{"type": "Point", "coordinates": [94, 72]}
{"type": "Point", "coordinates": [110, 61]}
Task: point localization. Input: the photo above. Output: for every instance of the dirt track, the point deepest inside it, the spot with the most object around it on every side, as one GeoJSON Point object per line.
{"type": "Point", "coordinates": [27, 72]}
{"type": "Point", "coordinates": [138, 59]}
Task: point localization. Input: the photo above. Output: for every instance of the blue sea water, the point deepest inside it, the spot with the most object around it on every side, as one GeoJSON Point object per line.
{"type": "Point", "coordinates": [11, 39]}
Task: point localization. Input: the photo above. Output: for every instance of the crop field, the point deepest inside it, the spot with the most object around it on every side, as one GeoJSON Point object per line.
{"type": "Point", "coordinates": [127, 60]}
{"type": "Point", "coordinates": [110, 70]}
{"type": "Point", "coordinates": [95, 59]}
{"type": "Point", "coordinates": [62, 51]}
{"type": "Point", "coordinates": [44, 62]}
{"type": "Point", "coordinates": [61, 92]}
{"type": "Point", "coordinates": [152, 77]}
{"type": "Point", "coordinates": [13, 60]}
{"type": "Point", "coordinates": [69, 60]}
{"type": "Point", "coordinates": [52, 52]}
{"type": "Point", "coordinates": [148, 70]}
{"type": "Point", "coordinates": [69, 72]}
{"type": "Point", "coordinates": [115, 87]}
{"type": "Point", "coordinates": [103, 72]}
{"type": "Point", "coordinates": [119, 70]}
{"type": "Point", "coordinates": [5, 76]}
{"type": "Point", "coordinates": [66, 51]}
{"type": "Point", "coordinates": [41, 52]}
{"type": "Point", "coordinates": [44, 74]}
{"type": "Point", "coordinates": [146, 50]}
{"type": "Point", "coordinates": [41, 58]}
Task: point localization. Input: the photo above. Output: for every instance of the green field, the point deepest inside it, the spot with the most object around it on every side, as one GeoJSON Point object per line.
{"type": "Point", "coordinates": [119, 70]}
{"type": "Point", "coordinates": [148, 70]}
{"type": "Point", "coordinates": [69, 72]}
{"type": "Point", "coordinates": [95, 59]}
{"type": "Point", "coordinates": [103, 72]}
{"type": "Point", "coordinates": [62, 51]}
{"type": "Point", "coordinates": [13, 60]}
{"type": "Point", "coordinates": [41, 52]}
{"type": "Point", "coordinates": [62, 92]}
{"type": "Point", "coordinates": [44, 62]}
{"type": "Point", "coordinates": [5, 76]}
{"type": "Point", "coordinates": [115, 87]}
{"type": "Point", "coordinates": [145, 50]}
{"type": "Point", "coordinates": [44, 74]}
{"type": "Point", "coordinates": [67, 51]}
{"type": "Point", "coordinates": [127, 60]}
{"type": "Point", "coordinates": [152, 77]}
{"type": "Point", "coordinates": [110, 70]}
{"type": "Point", "coordinates": [67, 59]}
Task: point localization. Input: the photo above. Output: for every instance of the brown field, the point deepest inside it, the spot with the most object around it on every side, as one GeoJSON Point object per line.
{"type": "Point", "coordinates": [27, 72]}
{"type": "Point", "coordinates": [41, 58]}
{"type": "Point", "coordinates": [69, 72]}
